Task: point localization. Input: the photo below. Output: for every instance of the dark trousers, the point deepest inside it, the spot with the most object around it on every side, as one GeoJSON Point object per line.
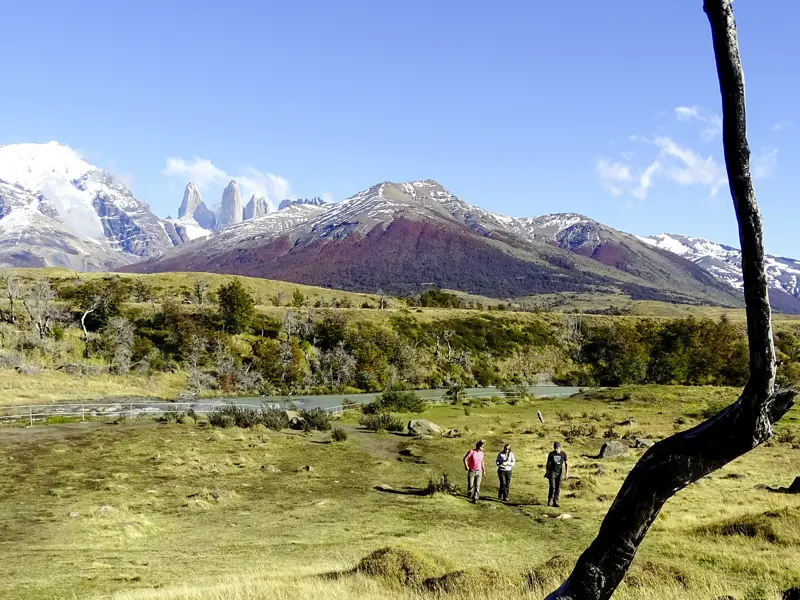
{"type": "Point", "coordinates": [555, 487]}
{"type": "Point", "coordinates": [505, 483]}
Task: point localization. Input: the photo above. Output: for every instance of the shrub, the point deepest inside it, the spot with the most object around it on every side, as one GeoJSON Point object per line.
{"type": "Point", "coordinates": [611, 434]}
{"type": "Point", "coordinates": [238, 416]}
{"type": "Point", "coordinates": [467, 582]}
{"type": "Point", "coordinates": [547, 574]}
{"type": "Point", "coordinates": [338, 435]}
{"type": "Point", "coordinates": [760, 526]}
{"type": "Point", "coordinates": [382, 422]}
{"type": "Point", "coordinates": [577, 431]}
{"type": "Point", "coordinates": [317, 419]}
{"type": "Point", "coordinates": [401, 565]}
{"type": "Point", "coordinates": [396, 401]}
{"type": "Point", "coordinates": [221, 419]}
{"type": "Point", "coordinates": [274, 418]}
{"type": "Point", "coordinates": [442, 485]}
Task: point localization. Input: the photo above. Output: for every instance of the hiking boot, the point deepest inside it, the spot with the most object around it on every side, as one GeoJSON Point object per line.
{"type": "Point", "coordinates": [556, 505]}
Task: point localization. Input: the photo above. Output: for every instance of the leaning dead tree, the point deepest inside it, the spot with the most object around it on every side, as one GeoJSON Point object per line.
{"type": "Point", "coordinates": [682, 459]}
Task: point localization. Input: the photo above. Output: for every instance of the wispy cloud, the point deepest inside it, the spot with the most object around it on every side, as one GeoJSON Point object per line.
{"type": "Point", "coordinates": [764, 165]}
{"type": "Point", "coordinates": [210, 179]}
{"type": "Point", "coordinates": [675, 162]}
{"type": "Point", "coordinates": [782, 126]}
{"type": "Point", "coordinates": [328, 197]}
{"type": "Point", "coordinates": [616, 177]}
{"type": "Point", "coordinates": [711, 124]}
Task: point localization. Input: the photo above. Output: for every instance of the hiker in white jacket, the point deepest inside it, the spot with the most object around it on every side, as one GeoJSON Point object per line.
{"type": "Point", "coordinates": [505, 462]}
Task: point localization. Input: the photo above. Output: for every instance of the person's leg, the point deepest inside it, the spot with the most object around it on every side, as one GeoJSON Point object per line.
{"type": "Point", "coordinates": [478, 479]}
{"type": "Point", "coordinates": [551, 489]}
{"type": "Point", "coordinates": [501, 477]}
{"type": "Point", "coordinates": [470, 483]}
{"type": "Point", "coordinates": [556, 489]}
{"type": "Point", "coordinates": [508, 484]}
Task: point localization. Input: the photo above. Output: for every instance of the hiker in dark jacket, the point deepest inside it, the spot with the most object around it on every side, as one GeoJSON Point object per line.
{"type": "Point", "coordinates": [556, 470]}
{"type": "Point", "coordinates": [505, 462]}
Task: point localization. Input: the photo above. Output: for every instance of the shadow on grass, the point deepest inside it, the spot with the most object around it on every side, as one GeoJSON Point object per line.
{"type": "Point", "coordinates": [415, 491]}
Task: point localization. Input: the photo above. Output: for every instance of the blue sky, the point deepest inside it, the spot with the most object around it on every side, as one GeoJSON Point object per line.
{"type": "Point", "coordinates": [605, 108]}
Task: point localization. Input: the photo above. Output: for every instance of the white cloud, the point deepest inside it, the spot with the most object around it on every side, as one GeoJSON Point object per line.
{"type": "Point", "coordinates": [212, 180]}
{"type": "Point", "coordinates": [782, 126]}
{"type": "Point", "coordinates": [673, 163]}
{"type": "Point", "coordinates": [711, 123]}
{"type": "Point", "coordinates": [764, 165]}
{"type": "Point", "coordinates": [646, 180]}
{"type": "Point", "coordinates": [689, 168]}
{"type": "Point", "coordinates": [328, 197]}
{"type": "Point", "coordinates": [615, 176]}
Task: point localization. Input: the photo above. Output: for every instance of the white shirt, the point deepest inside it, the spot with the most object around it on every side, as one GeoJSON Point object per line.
{"type": "Point", "coordinates": [506, 462]}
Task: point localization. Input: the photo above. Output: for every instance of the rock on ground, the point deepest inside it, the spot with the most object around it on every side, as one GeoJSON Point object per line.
{"type": "Point", "coordinates": [423, 427]}
{"type": "Point", "coordinates": [613, 449]}
{"type": "Point", "coordinates": [644, 444]}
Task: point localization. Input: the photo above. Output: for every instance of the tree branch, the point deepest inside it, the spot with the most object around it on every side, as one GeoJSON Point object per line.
{"type": "Point", "coordinates": [682, 459]}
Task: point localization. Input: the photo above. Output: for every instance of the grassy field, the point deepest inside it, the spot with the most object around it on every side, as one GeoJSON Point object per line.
{"type": "Point", "coordinates": [265, 291]}
{"type": "Point", "coordinates": [51, 386]}
{"type": "Point", "coordinates": [150, 511]}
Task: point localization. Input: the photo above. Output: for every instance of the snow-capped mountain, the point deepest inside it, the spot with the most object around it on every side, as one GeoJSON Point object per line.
{"type": "Point", "coordinates": [61, 210]}
{"type": "Point", "coordinates": [726, 262]}
{"type": "Point", "coordinates": [404, 236]}
{"type": "Point", "coordinates": [56, 209]}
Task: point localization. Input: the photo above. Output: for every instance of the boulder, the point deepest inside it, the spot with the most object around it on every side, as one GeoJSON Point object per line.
{"type": "Point", "coordinates": [613, 449]}
{"type": "Point", "coordinates": [626, 423]}
{"type": "Point", "coordinates": [294, 419]}
{"type": "Point", "coordinates": [421, 427]}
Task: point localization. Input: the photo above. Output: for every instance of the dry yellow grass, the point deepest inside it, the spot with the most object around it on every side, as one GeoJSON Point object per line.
{"type": "Point", "coordinates": [163, 512]}
{"type": "Point", "coordinates": [50, 386]}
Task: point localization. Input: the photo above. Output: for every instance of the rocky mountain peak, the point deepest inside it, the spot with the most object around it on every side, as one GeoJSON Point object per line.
{"type": "Point", "coordinates": [257, 207]}
{"type": "Point", "coordinates": [231, 210]}
{"type": "Point", "coordinates": [315, 201]}
{"type": "Point", "coordinates": [191, 200]}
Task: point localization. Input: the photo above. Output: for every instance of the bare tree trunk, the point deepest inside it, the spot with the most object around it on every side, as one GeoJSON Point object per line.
{"type": "Point", "coordinates": [682, 459]}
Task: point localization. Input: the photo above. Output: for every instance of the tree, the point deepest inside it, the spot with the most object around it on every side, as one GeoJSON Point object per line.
{"type": "Point", "coordinates": [236, 306]}
{"type": "Point", "coordinates": [118, 338]}
{"type": "Point", "coordinates": [38, 302]}
{"type": "Point", "coordinates": [337, 366]}
{"type": "Point", "coordinates": [674, 463]}
{"type": "Point", "coordinates": [298, 299]}
{"type": "Point", "coordinates": [142, 292]}
{"type": "Point", "coordinates": [13, 289]}
{"type": "Point", "coordinates": [200, 291]}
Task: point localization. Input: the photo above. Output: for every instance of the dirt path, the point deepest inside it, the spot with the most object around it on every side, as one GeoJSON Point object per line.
{"type": "Point", "coordinates": [383, 446]}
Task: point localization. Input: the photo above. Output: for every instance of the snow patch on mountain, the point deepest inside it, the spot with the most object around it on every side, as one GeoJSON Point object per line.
{"type": "Point", "coordinates": [726, 262]}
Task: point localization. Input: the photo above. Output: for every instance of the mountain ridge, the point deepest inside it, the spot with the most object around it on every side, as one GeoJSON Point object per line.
{"type": "Point", "coordinates": [57, 209]}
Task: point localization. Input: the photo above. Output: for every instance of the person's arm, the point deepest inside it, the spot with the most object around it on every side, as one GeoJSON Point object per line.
{"type": "Point", "coordinates": [466, 456]}
{"type": "Point", "coordinates": [512, 460]}
{"type": "Point", "coordinates": [483, 467]}
{"type": "Point", "coordinates": [499, 460]}
{"type": "Point", "coordinates": [566, 467]}
{"type": "Point", "coordinates": [548, 465]}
